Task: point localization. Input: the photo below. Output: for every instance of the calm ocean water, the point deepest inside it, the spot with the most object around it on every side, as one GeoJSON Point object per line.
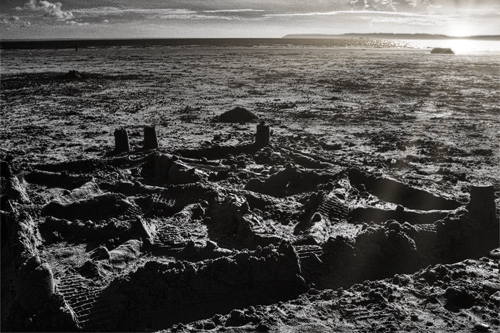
{"type": "Point", "coordinates": [460, 46]}
{"type": "Point", "coordinates": [136, 54]}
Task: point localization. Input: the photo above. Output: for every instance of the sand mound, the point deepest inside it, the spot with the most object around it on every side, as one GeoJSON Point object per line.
{"type": "Point", "coordinates": [72, 75]}
{"type": "Point", "coordinates": [237, 115]}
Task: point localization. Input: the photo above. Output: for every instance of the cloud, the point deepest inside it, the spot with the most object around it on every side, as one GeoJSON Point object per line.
{"type": "Point", "coordinates": [96, 11]}
{"type": "Point", "coordinates": [155, 14]}
{"type": "Point", "coordinates": [233, 10]}
{"type": "Point", "coordinates": [304, 14]}
{"type": "Point", "coordinates": [392, 5]}
{"type": "Point", "coordinates": [408, 20]}
{"type": "Point", "coordinates": [49, 9]}
{"type": "Point", "coordinates": [272, 18]}
{"type": "Point", "coordinates": [77, 23]}
{"type": "Point", "coordinates": [359, 13]}
{"type": "Point", "coordinates": [13, 21]}
{"type": "Point", "coordinates": [382, 5]}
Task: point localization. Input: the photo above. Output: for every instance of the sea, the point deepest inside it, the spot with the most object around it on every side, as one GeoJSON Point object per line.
{"type": "Point", "coordinates": [43, 56]}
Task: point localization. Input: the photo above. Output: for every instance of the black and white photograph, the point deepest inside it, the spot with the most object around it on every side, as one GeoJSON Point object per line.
{"type": "Point", "coordinates": [250, 166]}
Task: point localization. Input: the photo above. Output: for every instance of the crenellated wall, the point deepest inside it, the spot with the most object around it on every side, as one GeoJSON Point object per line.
{"type": "Point", "coordinates": [159, 295]}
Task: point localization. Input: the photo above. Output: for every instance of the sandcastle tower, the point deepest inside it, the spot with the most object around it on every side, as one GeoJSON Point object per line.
{"type": "Point", "coordinates": [34, 285]}
{"type": "Point", "coordinates": [482, 202]}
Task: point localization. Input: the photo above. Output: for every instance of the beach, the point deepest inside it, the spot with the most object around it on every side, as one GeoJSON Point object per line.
{"type": "Point", "coordinates": [428, 124]}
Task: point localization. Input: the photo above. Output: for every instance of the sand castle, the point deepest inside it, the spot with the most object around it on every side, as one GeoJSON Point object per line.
{"type": "Point", "coordinates": [183, 241]}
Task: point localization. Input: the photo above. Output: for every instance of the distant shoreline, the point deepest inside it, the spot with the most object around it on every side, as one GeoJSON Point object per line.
{"type": "Point", "coordinates": [309, 40]}
{"type": "Point", "coordinates": [221, 42]}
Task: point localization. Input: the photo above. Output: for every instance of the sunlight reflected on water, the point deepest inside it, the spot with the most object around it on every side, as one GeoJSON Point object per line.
{"type": "Point", "coordinates": [461, 46]}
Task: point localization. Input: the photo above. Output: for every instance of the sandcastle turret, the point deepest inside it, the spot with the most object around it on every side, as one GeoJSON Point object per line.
{"type": "Point", "coordinates": [121, 141]}
{"type": "Point", "coordinates": [482, 202]}
{"type": "Point", "coordinates": [150, 138]}
{"type": "Point", "coordinates": [262, 135]}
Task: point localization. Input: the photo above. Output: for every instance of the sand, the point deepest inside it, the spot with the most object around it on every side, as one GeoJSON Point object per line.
{"type": "Point", "coordinates": [428, 122]}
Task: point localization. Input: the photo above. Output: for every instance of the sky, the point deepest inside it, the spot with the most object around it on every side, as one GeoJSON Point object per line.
{"type": "Point", "coordinates": [35, 19]}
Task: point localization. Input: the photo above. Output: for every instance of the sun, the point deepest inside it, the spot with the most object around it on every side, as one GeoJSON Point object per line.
{"type": "Point", "coordinates": [461, 30]}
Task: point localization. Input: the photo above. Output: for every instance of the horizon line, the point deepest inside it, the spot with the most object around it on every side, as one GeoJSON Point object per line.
{"type": "Point", "coordinates": [287, 36]}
